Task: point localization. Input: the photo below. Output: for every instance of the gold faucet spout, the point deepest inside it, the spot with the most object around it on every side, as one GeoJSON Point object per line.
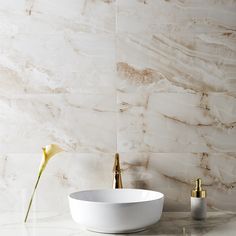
{"type": "Point", "coordinates": [117, 180]}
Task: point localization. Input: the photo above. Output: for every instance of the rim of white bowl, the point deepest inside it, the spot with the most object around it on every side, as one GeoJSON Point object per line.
{"type": "Point", "coordinates": [70, 196]}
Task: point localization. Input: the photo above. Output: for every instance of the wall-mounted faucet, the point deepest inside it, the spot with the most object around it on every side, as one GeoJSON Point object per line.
{"type": "Point", "coordinates": [117, 180]}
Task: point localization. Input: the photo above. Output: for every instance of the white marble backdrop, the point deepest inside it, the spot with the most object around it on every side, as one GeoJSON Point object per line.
{"type": "Point", "coordinates": [154, 80]}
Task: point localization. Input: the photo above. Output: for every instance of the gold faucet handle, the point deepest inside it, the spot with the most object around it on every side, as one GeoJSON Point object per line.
{"type": "Point", "coordinates": [116, 167]}
{"type": "Point", "coordinates": [117, 180]}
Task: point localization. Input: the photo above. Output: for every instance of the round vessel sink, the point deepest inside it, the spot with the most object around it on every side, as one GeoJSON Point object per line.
{"type": "Point", "coordinates": [116, 210]}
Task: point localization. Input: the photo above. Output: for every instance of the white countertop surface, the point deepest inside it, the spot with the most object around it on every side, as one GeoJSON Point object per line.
{"type": "Point", "coordinates": [172, 223]}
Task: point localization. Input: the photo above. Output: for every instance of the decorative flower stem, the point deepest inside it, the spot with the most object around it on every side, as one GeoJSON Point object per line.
{"type": "Point", "coordinates": [31, 199]}
{"type": "Point", "coordinates": [48, 152]}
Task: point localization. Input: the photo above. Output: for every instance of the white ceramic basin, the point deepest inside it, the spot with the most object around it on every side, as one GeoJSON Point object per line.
{"type": "Point", "coordinates": [116, 210]}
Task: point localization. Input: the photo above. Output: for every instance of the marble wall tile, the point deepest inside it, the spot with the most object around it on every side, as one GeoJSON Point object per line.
{"type": "Point", "coordinates": [79, 122]}
{"type": "Point", "coordinates": [176, 122]}
{"type": "Point", "coordinates": [64, 47]}
{"type": "Point", "coordinates": [176, 46]}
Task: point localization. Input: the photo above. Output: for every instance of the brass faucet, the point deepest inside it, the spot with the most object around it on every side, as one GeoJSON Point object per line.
{"type": "Point", "coordinates": [117, 181]}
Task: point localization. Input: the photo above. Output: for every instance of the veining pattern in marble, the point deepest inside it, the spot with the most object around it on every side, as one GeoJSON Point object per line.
{"type": "Point", "coordinates": [176, 46]}
{"type": "Point", "coordinates": [68, 119]}
{"type": "Point", "coordinates": [153, 80]}
{"type": "Point", "coordinates": [177, 122]}
{"type": "Point", "coordinates": [57, 47]}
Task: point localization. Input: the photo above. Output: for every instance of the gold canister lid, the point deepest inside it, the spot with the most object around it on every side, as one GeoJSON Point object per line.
{"type": "Point", "coordinates": [198, 191]}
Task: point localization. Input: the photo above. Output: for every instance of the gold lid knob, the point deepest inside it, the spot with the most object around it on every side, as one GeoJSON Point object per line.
{"type": "Point", "coordinates": [198, 191]}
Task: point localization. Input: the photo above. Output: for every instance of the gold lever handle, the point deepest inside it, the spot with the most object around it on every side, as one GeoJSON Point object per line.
{"type": "Point", "coordinates": [117, 180]}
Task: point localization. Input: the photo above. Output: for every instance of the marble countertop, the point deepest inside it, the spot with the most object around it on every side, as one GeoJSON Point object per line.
{"type": "Point", "coordinates": [172, 223]}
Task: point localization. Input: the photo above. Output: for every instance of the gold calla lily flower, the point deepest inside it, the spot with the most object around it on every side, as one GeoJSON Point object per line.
{"type": "Point", "coordinates": [48, 152]}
